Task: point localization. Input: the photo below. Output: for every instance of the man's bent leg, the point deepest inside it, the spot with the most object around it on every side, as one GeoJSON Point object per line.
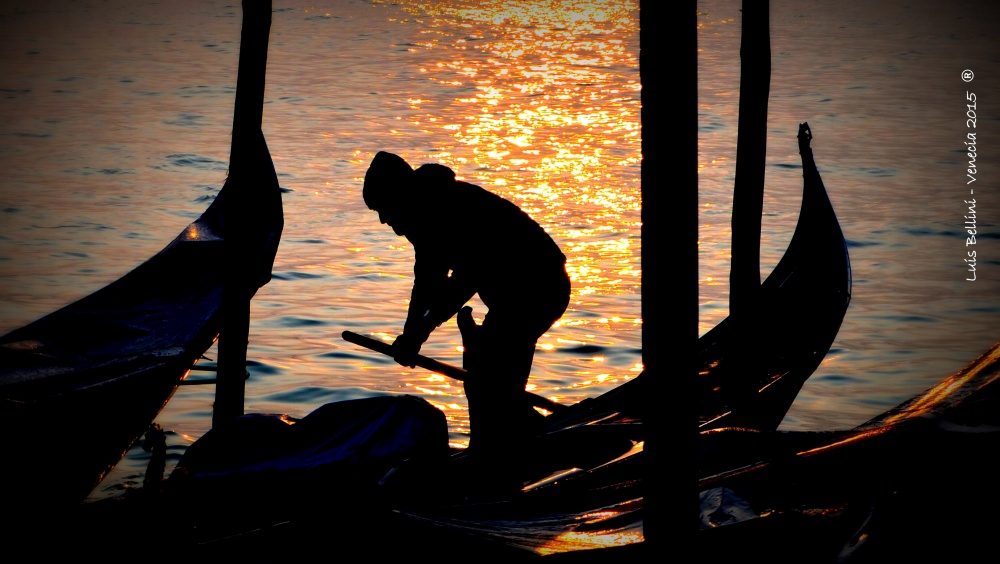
{"type": "Point", "coordinates": [499, 361]}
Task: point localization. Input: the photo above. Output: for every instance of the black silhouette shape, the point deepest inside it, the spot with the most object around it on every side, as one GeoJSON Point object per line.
{"type": "Point", "coordinates": [468, 240]}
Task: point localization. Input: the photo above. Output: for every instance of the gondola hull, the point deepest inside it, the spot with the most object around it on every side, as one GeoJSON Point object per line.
{"type": "Point", "coordinates": [912, 484]}
{"type": "Point", "coordinates": [750, 371]}
{"type": "Point", "coordinates": [80, 385]}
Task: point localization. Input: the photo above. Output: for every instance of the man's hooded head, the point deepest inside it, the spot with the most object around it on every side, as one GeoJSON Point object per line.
{"type": "Point", "coordinates": [389, 190]}
{"type": "Point", "coordinates": [387, 182]}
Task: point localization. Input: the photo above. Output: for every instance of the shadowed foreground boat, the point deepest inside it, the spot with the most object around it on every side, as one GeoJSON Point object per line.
{"type": "Point", "coordinates": [914, 484]}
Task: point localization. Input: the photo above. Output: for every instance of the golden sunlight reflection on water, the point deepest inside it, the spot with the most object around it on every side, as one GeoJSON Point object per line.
{"type": "Point", "coordinates": [543, 110]}
{"type": "Point", "coordinates": [550, 121]}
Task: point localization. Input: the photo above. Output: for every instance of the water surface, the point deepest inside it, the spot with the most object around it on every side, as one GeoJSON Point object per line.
{"type": "Point", "coordinates": [116, 135]}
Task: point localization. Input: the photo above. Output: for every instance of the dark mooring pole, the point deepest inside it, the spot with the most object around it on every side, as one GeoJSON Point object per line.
{"type": "Point", "coordinates": [751, 153]}
{"type": "Point", "coordinates": [250, 191]}
{"type": "Point", "coordinates": [668, 71]}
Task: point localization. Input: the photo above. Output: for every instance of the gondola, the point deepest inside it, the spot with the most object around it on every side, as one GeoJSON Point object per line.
{"type": "Point", "coordinates": [803, 302]}
{"type": "Point", "coordinates": [574, 486]}
{"type": "Point", "coordinates": [80, 385]}
{"type": "Point", "coordinates": [912, 484]}
{"type": "Point", "coordinates": [802, 305]}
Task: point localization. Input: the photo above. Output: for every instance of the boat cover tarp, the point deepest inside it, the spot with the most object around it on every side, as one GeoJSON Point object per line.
{"type": "Point", "coordinates": [342, 449]}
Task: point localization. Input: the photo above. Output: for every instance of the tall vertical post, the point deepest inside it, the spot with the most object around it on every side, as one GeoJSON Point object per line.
{"type": "Point", "coordinates": [668, 71]}
{"type": "Point", "coordinates": [250, 190]}
{"type": "Point", "coordinates": [751, 154]}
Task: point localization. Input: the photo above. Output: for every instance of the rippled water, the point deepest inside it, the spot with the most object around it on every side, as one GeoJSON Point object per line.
{"type": "Point", "coordinates": [110, 147]}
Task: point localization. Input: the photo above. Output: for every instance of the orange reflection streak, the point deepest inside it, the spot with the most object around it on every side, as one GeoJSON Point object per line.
{"type": "Point", "coordinates": [860, 436]}
{"type": "Point", "coordinates": [953, 389]}
{"type": "Point", "coordinates": [548, 108]}
{"type": "Point", "coordinates": [589, 540]}
{"type": "Point", "coordinates": [596, 537]}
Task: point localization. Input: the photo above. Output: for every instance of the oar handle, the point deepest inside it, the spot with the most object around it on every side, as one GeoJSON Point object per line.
{"type": "Point", "coordinates": [440, 367]}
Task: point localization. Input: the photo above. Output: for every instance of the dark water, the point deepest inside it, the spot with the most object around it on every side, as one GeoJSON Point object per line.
{"type": "Point", "coordinates": [116, 134]}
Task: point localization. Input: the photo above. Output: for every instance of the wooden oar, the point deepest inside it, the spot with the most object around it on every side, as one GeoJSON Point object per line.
{"type": "Point", "coordinates": [440, 367]}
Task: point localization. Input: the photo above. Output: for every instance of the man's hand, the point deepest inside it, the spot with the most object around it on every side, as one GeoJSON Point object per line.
{"type": "Point", "coordinates": [405, 349]}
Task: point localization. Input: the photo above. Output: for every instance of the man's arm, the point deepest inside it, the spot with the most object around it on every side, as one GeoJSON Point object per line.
{"type": "Point", "coordinates": [430, 276]}
{"type": "Point", "coordinates": [435, 298]}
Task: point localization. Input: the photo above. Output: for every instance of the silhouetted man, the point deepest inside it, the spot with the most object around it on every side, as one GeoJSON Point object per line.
{"type": "Point", "coordinates": [468, 240]}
